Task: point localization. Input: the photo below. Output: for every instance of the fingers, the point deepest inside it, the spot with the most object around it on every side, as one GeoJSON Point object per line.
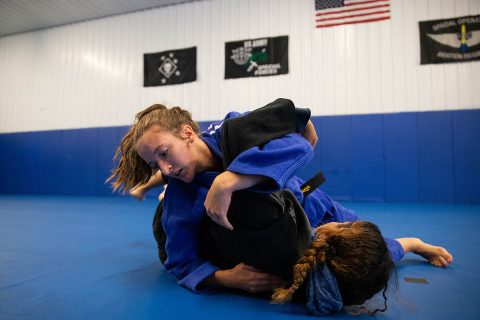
{"type": "Point", "coordinates": [265, 282]}
{"type": "Point", "coordinates": [439, 257]}
{"type": "Point", "coordinates": [443, 257]}
{"type": "Point", "coordinates": [221, 220]}
{"type": "Point", "coordinates": [225, 223]}
{"type": "Point", "coordinates": [259, 281]}
{"type": "Point", "coordinates": [446, 258]}
{"type": "Point", "coordinates": [250, 268]}
{"type": "Point", "coordinates": [450, 258]}
{"type": "Point", "coordinates": [439, 262]}
{"type": "Point", "coordinates": [217, 206]}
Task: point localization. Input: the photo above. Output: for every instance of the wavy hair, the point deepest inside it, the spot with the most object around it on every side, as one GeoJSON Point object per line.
{"type": "Point", "coordinates": [131, 169]}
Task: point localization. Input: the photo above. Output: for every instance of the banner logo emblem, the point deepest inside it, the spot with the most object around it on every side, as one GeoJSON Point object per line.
{"type": "Point", "coordinates": [168, 67]}
{"type": "Point", "coordinates": [461, 40]}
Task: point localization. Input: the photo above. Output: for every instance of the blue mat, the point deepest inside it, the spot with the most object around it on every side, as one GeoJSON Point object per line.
{"type": "Point", "coordinates": [95, 258]}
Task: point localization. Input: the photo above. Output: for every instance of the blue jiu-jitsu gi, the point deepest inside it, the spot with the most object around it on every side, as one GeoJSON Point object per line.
{"type": "Point", "coordinates": [278, 160]}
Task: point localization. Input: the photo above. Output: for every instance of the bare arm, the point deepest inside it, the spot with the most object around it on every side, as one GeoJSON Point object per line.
{"type": "Point", "coordinates": [437, 256]}
{"type": "Point", "coordinates": [219, 196]}
{"type": "Point", "coordinates": [409, 244]}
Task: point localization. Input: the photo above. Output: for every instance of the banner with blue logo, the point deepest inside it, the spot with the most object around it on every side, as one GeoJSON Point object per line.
{"type": "Point", "coordinates": [450, 40]}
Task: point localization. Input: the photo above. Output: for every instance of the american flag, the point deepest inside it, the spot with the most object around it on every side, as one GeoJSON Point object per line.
{"type": "Point", "coordinates": [331, 13]}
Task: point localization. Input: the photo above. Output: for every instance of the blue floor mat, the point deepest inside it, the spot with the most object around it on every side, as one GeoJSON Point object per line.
{"type": "Point", "coordinates": [96, 258]}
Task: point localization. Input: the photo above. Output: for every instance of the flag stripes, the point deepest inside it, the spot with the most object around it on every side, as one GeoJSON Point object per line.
{"type": "Point", "coordinates": [334, 13]}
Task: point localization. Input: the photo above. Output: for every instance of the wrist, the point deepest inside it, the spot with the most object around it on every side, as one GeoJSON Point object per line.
{"type": "Point", "coordinates": [410, 244]}
{"type": "Point", "coordinates": [233, 181]}
{"type": "Point", "coordinates": [222, 279]}
{"type": "Point", "coordinates": [226, 181]}
{"type": "Point", "coordinates": [416, 244]}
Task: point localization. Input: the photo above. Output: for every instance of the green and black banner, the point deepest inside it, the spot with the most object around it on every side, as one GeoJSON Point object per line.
{"type": "Point", "coordinates": [170, 67]}
{"type": "Point", "coordinates": [450, 40]}
{"type": "Point", "coordinates": [256, 57]}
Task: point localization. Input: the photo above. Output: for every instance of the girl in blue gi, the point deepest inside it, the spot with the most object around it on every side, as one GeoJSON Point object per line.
{"type": "Point", "coordinates": [168, 140]}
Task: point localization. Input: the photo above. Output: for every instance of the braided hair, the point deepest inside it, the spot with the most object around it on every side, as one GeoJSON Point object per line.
{"type": "Point", "coordinates": [358, 257]}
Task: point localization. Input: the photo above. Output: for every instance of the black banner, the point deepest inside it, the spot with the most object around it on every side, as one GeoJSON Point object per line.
{"type": "Point", "coordinates": [450, 40]}
{"type": "Point", "coordinates": [170, 67]}
{"type": "Point", "coordinates": [256, 57]}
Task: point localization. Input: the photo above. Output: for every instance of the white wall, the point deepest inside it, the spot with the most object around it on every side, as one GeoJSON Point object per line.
{"type": "Point", "coordinates": [91, 74]}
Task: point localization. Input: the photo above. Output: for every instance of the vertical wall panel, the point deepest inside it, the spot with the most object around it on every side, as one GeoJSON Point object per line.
{"type": "Point", "coordinates": [48, 159]}
{"type": "Point", "coordinates": [397, 39]}
{"type": "Point", "coordinates": [386, 61]}
{"type": "Point", "coordinates": [466, 133]}
{"type": "Point", "coordinates": [335, 136]}
{"type": "Point", "coordinates": [368, 158]}
{"type": "Point", "coordinates": [106, 146]}
{"type": "Point", "coordinates": [22, 163]}
{"type": "Point", "coordinates": [78, 145]}
{"type": "Point", "coordinates": [435, 157]}
{"type": "Point", "coordinates": [411, 54]}
{"type": "Point", "coordinates": [6, 142]}
{"type": "Point", "coordinates": [438, 72]}
{"type": "Point", "coordinates": [374, 76]}
{"type": "Point", "coordinates": [401, 158]}
{"type": "Point", "coordinates": [351, 67]}
{"type": "Point", "coordinates": [35, 160]}
{"type": "Point", "coordinates": [361, 88]}
{"type": "Point", "coordinates": [425, 91]}
{"type": "Point", "coordinates": [5, 159]}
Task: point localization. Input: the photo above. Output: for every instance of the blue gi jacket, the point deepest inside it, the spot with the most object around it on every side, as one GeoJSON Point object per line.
{"type": "Point", "coordinates": [184, 203]}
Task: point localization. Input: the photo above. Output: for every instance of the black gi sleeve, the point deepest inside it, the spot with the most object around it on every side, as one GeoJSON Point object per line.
{"type": "Point", "coordinates": [258, 127]}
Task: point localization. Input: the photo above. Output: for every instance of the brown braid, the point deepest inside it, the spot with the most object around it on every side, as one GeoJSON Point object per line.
{"type": "Point", "coordinates": [132, 170]}
{"type": "Point", "coordinates": [358, 257]}
{"type": "Point", "coordinates": [314, 255]}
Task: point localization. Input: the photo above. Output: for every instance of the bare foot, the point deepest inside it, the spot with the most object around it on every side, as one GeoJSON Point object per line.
{"type": "Point", "coordinates": [138, 193]}
{"type": "Point", "coordinates": [437, 256]}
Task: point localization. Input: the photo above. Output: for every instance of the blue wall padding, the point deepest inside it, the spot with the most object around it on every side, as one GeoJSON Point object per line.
{"type": "Point", "coordinates": [368, 158]}
{"type": "Point", "coordinates": [80, 144]}
{"type": "Point", "coordinates": [335, 150]}
{"type": "Point", "coordinates": [401, 157]}
{"type": "Point", "coordinates": [435, 157]}
{"type": "Point", "coordinates": [41, 174]}
{"type": "Point", "coordinates": [405, 157]}
{"type": "Point", "coordinates": [466, 150]}
{"type": "Point", "coordinates": [107, 142]}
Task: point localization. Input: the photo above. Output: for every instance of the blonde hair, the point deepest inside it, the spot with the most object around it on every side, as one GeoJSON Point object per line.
{"type": "Point", "coordinates": [358, 257]}
{"type": "Point", "coordinates": [132, 170]}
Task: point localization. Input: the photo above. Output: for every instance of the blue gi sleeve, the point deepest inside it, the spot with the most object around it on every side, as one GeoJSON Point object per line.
{"type": "Point", "coordinates": [183, 210]}
{"type": "Point", "coordinates": [278, 159]}
{"type": "Point", "coordinates": [395, 248]}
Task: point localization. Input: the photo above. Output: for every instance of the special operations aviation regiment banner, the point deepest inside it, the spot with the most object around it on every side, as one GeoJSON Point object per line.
{"type": "Point", "coordinates": [450, 40]}
{"type": "Point", "coordinates": [256, 57]}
